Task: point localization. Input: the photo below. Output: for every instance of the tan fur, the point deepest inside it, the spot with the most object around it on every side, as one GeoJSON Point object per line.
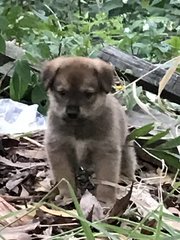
{"type": "Point", "coordinates": [97, 136]}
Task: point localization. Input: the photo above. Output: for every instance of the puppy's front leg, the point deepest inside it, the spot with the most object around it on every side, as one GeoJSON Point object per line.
{"type": "Point", "coordinates": [62, 166]}
{"type": "Point", "coordinates": [128, 162]}
{"type": "Point", "coordinates": [107, 167]}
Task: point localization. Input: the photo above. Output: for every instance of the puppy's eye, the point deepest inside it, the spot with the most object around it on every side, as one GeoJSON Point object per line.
{"type": "Point", "coordinates": [89, 95]}
{"type": "Point", "coordinates": [62, 93]}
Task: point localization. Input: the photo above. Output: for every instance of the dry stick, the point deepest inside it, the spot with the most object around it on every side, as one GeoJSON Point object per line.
{"type": "Point", "coordinates": [59, 225]}
{"type": "Point", "coordinates": [33, 141]}
{"type": "Point", "coordinates": [18, 198]}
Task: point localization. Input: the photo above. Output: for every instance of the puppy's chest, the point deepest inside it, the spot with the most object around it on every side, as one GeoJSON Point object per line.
{"type": "Point", "coordinates": [81, 148]}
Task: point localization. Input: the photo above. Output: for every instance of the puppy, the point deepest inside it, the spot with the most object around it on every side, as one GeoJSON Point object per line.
{"type": "Point", "coordinates": [86, 125]}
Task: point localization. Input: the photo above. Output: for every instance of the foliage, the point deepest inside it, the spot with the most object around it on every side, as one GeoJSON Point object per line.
{"type": "Point", "coordinates": [49, 28]}
{"type": "Point", "coordinates": [152, 144]}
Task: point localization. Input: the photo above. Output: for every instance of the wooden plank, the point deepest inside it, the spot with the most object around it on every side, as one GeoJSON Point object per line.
{"type": "Point", "coordinates": [12, 54]}
{"type": "Point", "coordinates": [138, 67]}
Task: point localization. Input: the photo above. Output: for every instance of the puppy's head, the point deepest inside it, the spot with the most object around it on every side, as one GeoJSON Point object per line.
{"type": "Point", "coordinates": [77, 86]}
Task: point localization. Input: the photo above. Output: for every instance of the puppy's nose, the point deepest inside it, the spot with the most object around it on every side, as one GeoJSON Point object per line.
{"type": "Point", "coordinates": [72, 111]}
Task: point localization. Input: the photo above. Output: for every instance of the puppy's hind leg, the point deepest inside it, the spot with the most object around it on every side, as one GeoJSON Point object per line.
{"type": "Point", "coordinates": [128, 163]}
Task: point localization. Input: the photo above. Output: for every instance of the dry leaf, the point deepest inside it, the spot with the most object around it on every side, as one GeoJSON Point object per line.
{"type": "Point", "coordinates": [20, 232]}
{"type": "Point", "coordinates": [120, 206]}
{"type": "Point", "coordinates": [91, 206]}
{"type": "Point", "coordinates": [168, 75]}
{"type": "Point", "coordinates": [61, 213]}
{"type": "Point", "coordinates": [12, 183]}
{"type": "Point", "coordinates": [146, 204]}
{"type": "Point", "coordinates": [6, 208]}
{"type": "Point", "coordinates": [44, 185]}
{"type": "Point", "coordinates": [24, 192]}
{"type": "Point", "coordinates": [34, 153]}
{"type": "Point", "coordinates": [15, 236]}
{"type": "Point", "coordinates": [21, 164]}
{"type": "Point", "coordinates": [142, 105]}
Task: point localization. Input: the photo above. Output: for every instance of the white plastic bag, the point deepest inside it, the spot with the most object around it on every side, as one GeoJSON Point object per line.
{"type": "Point", "coordinates": [18, 117]}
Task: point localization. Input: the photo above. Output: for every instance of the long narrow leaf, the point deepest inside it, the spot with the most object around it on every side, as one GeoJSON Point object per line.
{"type": "Point", "coordinates": [142, 131]}
{"type": "Point", "coordinates": [171, 159]}
{"type": "Point", "coordinates": [175, 142]}
{"type": "Point", "coordinates": [168, 75]}
{"type": "Point", "coordinates": [85, 225]}
{"type": "Point", "coordinates": [156, 137]}
{"type": "Point", "coordinates": [142, 105]}
{"type": "Point", "coordinates": [2, 45]}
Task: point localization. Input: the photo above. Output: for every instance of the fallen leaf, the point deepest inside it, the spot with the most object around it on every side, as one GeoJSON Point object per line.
{"type": "Point", "coordinates": [24, 192]}
{"type": "Point", "coordinates": [44, 185]}
{"type": "Point", "coordinates": [61, 213]}
{"type": "Point", "coordinates": [120, 205]}
{"type": "Point", "coordinates": [21, 164]}
{"type": "Point", "coordinates": [15, 236]}
{"type": "Point", "coordinates": [174, 211]}
{"type": "Point", "coordinates": [91, 207]}
{"type": "Point", "coordinates": [168, 75]}
{"type": "Point", "coordinates": [32, 153]}
{"type": "Point", "coordinates": [6, 208]}
{"type": "Point", "coordinates": [11, 184]}
{"type": "Point", "coordinates": [20, 232]}
{"type": "Point", "coordinates": [146, 204]}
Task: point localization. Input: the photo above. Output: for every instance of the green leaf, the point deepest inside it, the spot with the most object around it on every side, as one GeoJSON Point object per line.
{"type": "Point", "coordinates": [40, 14]}
{"type": "Point", "coordinates": [174, 42]}
{"type": "Point", "coordinates": [173, 143]}
{"type": "Point", "coordinates": [14, 82]}
{"type": "Point", "coordinates": [20, 80]}
{"type": "Point", "coordinates": [3, 23]}
{"type": "Point", "coordinates": [29, 21]}
{"type": "Point", "coordinates": [171, 159]}
{"type": "Point", "coordinates": [2, 45]}
{"type": "Point", "coordinates": [44, 50]}
{"type": "Point", "coordinates": [156, 137]}
{"type": "Point", "coordinates": [38, 94]}
{"type": "Point", "coordinates": [140, 131]}
{"type": "Point", "coordinates": [110, 5]}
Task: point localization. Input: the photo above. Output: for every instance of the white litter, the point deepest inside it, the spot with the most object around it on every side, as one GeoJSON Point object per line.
{"type": "Point", "coordinates": [18, 117]}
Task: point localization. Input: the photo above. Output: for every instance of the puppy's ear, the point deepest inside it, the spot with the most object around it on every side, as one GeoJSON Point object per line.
{"type": "Point", "coordinates": [49, 72]}
{"type": "Point", "coordinates": [105, 74]}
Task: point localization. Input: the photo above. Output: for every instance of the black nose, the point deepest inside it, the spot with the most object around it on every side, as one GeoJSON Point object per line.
{"type": "Point", "coordinates": [72, 111]}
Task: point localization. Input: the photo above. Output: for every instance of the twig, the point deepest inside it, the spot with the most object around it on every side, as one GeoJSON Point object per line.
{"type": "Point", "coordinates": [18, 198]}
{"type": "Point", "coordinates": [33, 141]}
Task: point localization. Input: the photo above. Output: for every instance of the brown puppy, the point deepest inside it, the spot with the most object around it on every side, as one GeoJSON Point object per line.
{"type": "Point", "coordinates": [86, 124]}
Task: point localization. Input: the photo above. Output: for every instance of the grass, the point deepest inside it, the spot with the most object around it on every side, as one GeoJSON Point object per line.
{"type": "Point", "coordinates": [124, 229]}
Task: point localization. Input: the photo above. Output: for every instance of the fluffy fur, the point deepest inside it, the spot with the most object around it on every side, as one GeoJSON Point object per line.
{"type": "Point", "coordinates": [86, 125]}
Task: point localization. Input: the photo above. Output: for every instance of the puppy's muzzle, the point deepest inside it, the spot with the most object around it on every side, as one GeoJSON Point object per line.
{"type": "Point", "coordinates": [72, 112]}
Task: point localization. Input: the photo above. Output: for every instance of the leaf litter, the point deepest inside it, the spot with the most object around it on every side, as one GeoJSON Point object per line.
{"type": "Point", "coordinates": [25, 181]}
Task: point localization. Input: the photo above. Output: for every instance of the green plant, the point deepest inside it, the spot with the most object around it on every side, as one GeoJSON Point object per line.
{"type": "Point", "coordinates": [51, 28]}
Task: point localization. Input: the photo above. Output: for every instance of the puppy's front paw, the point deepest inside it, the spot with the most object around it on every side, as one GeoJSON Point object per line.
{"type": "Point", "coordinates": [106, 195]}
